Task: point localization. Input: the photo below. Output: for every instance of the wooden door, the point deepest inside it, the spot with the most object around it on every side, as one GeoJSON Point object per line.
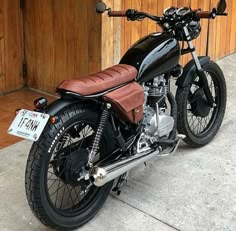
{"type": "Point", "coordinates": [62, 41]}
{"type": "Point", "coordinates": [11, 48]}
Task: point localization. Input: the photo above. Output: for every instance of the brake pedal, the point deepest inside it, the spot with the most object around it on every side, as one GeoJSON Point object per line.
{"type": "Point", "coordinates": [173, 150]}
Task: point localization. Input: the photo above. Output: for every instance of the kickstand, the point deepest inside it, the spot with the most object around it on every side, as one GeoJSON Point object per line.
{"type": "Point", "coordinates": [119, 183]}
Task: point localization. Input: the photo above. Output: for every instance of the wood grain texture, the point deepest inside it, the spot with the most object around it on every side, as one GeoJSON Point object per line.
{"type": "Point", "coordinates": [107, 42]}
{"type": "Point", "coordinates": [2, 50]}
{"type": "Point", "coordinates": [11, 46]}
{"type": "Point", "coordinates": [62, 40]}
{"type": "Point", "coordinates": [222, 32]}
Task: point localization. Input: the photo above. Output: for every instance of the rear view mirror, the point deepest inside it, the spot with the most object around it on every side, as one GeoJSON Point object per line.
{"type": "Point", "coordinates": [221, 6]}
{"type": "Point", "coordinates": [100, 7]}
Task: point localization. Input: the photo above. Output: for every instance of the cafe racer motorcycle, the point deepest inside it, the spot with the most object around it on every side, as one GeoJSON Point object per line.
{"type": "Point", "coordinates": [109, 122]}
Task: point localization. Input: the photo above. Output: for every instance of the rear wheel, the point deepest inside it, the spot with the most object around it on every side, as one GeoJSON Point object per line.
{"type": "Point", "coordinates": [55, 164]}
{"type": "Point", "coordinates": [196, 119]}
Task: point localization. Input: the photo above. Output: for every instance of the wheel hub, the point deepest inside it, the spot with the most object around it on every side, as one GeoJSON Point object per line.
{"type": "Point", "coordinates": [199, 104]}
{"type": "Point", "coordinates": [74, 166]}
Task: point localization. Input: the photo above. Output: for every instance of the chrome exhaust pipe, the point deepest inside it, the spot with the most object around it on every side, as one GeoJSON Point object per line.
{"type": "Point", "coordinates": [103, 174]}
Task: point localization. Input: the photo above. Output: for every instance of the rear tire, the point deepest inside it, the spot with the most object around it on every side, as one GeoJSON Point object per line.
{"type": "Point", "coordinates": [193, 107]}
{"type": "Point", "coordinates": [40, 161]}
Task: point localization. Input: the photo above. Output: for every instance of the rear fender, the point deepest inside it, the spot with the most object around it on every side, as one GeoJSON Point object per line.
{"type": "Point", "coordinates": [59, 105]}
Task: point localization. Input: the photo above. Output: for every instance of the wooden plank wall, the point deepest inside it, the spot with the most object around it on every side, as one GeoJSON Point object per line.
{"type": "Point", "coordinates": [62, 41]}
{"type": "Point", "coordinates": [111, 36]}
{"type": "Point", "coordinates": [2, 52]}
{"type": "Point", "coordinates": [222, 32]}
{"type": "Point", "coordinates": [11, 46]}
{"type": "Point", "coordinates": [219, 44]}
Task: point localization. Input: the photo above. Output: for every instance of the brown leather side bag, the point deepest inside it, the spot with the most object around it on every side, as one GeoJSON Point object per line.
{"type": "Point", "coordinates": [127, 102]}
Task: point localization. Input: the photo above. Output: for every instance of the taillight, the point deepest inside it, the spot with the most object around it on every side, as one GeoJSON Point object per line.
{"type": "Point", "coordinates": [40, 103]}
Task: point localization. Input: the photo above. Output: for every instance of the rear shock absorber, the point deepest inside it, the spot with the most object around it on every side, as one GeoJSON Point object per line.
{"type": "Point", "coordinates": [98, 136]}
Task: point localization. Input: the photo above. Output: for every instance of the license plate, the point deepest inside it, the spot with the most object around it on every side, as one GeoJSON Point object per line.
{"type": "Point", "coordinates": [28, 124]}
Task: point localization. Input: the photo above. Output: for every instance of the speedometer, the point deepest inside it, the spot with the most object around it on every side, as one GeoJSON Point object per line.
{"type": "Point", "coordinates": [170, 11]}
{"type": "Point", "coordinates": [183, 11]}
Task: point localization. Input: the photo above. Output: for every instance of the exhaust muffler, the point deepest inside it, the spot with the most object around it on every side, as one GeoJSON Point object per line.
{"type": "Point", "coordinates": [103, 174]}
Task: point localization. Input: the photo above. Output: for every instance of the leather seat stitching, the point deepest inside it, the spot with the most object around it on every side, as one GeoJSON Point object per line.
{"type": "Point", "coordinates": [98, 77]}
{"type": "Point", "coordinates": [88, 77]}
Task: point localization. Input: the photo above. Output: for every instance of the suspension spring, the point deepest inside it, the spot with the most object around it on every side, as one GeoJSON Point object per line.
{"type": "Point", "coordinates": [98, 136]}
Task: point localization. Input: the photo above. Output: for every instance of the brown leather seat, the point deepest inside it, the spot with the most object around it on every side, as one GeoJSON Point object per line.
{"type": "Point", "coordinates": [101, 81]}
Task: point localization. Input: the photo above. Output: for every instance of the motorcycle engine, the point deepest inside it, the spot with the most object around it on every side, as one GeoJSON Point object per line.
{"type": "Point", "coordinates": [157, 122]}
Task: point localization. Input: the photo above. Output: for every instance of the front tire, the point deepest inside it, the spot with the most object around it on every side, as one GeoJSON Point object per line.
{"type": "Point", "coordinates": [54, 158]}
{"type": "Point", "coordinates": [196, 119]}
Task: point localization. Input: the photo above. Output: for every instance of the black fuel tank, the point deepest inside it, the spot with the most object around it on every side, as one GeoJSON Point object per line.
{"type": "Point", "coordinates": [153, 55]}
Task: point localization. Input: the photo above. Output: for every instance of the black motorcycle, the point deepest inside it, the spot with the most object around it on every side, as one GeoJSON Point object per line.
{"type": "Point", "coordinates": [109, 122]}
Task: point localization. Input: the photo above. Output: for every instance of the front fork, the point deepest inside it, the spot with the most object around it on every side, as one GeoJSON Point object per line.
{"type": "Point", "coordinates": [201, 73]}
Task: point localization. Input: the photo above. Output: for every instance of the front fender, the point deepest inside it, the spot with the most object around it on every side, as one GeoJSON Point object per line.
{"type": "Point", "coordinates": [189, 70]}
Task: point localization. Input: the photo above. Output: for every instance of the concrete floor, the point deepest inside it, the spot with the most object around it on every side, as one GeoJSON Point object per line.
{"type": "Point", "coordinates": [192, 190]}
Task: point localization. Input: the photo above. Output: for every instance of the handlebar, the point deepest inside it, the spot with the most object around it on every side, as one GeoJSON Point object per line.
{"type": "Point", "coordinates": [205, 14]}
{"type": "Point", "coordinates": [132, 15]}
{"type": "Point", "coordinates": [117, 13]}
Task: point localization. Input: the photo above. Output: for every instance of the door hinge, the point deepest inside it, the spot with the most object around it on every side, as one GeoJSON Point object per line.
{"type": "Point", "coordinates": [22, 4]}
{"type": "Point", "coordinates": [24, 70]}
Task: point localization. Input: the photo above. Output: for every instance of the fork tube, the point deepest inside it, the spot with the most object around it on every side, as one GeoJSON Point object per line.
{"type": "Point", "coordinates": [190, 44]}
{"type": "Point", "coordinates": [200, 71]}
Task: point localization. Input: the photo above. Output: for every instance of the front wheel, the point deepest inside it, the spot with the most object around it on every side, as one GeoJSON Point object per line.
{"type": "Point", "coordinates": [196, 119]}
{"type": "Point", "coordinates": [55, 193]}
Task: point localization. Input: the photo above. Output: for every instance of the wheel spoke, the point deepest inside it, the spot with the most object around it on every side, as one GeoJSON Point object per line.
{"type": "Point", "coordinates": [63, 189]}
{"type": "Point", "coordinates": [69, 196]}
{"type": "Point", "coordinates": [63, 194]}
{"type": "Point", "coordinates": [55, 180]}
{"type": "Point", "coordinates": [56, 191]}
{"type": "Point", "coordinates": [77, 194]}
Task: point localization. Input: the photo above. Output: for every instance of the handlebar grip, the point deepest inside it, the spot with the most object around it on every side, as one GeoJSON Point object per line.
{"type": "Point", "coordinates": [117, 13]}
{"type": "Point", "coordinates": [204, 14]}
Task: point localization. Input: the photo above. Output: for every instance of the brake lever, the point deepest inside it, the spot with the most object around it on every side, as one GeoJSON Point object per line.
{"type": "Point", "coordinates": [132, 14]}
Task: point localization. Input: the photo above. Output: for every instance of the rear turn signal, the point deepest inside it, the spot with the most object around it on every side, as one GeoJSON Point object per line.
{"type": "Point", "coordinates": [17, 111]}
{"type": "Point", "coordinates": [53, 119]}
